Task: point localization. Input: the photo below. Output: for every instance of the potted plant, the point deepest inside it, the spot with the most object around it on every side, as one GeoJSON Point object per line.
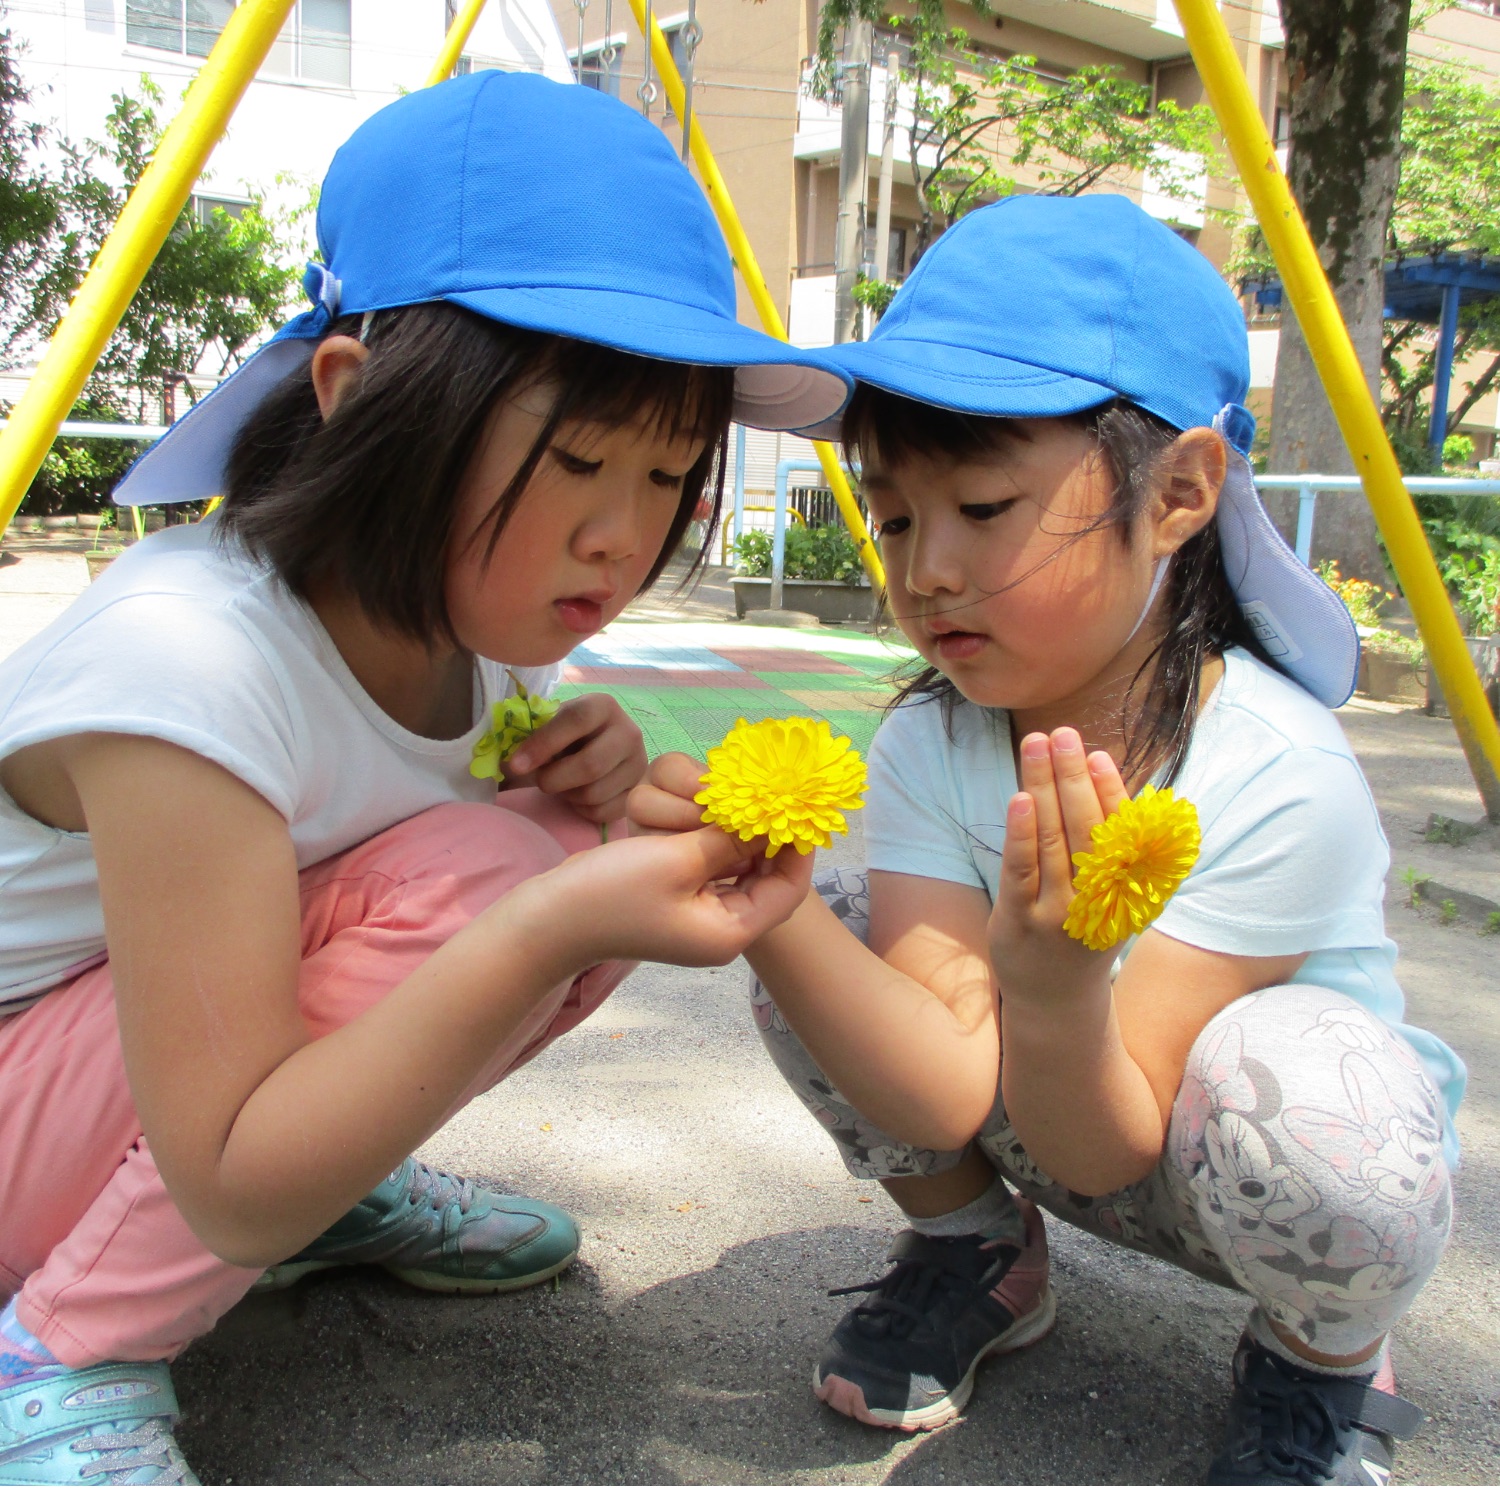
{"type": "Point", "coordinates": [1473, 579]}
{"type": "Point", "coordinates": [1391, 665]}
{"type": "Point", "coordinates": [99, 558]}
{"type": "Point", "coordinates": [822, 575]}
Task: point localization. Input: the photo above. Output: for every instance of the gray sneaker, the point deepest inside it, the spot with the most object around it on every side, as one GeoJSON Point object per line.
{"type": "Point", "coordinates": [1290, 1426]}
{"type": "Point", "coordinates": [442, 1233]}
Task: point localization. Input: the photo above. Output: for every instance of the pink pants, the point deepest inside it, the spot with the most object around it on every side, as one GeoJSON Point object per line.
{"type": "Point", "coordinates": [104, 1265]}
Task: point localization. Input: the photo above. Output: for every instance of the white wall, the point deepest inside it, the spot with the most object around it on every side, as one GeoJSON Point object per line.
{"type": "Point", "coordinates": [75, 57]}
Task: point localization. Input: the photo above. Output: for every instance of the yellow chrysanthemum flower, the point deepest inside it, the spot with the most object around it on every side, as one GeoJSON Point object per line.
{"type": "Point", "coordinates": [512, 720]}
{"type": "Point", "coordinates": [1140, 854]}
{"type": "Point", "coordinates": [789, 779]}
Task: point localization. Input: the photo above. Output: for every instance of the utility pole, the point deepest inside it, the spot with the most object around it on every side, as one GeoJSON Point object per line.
{"type": "Point", "coordinates": [849, 240]}
{"type": "Point", "coordinates": [887, 165]}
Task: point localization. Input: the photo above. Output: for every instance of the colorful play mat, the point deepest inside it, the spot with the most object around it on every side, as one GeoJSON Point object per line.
{"type": "Point", "coordinates": [685, 684]}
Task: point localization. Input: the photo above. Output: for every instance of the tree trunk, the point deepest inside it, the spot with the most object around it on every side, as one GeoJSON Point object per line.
{"type": "Point", "coordinates": [1346, 63]}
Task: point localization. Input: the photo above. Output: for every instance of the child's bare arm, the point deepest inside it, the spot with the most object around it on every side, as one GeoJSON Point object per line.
{"type": "Point", "coordinates": [1091, 1070]}
{"type": "Point", "coordinates": [265, 1136]}
{"type": "Point", "coordinates": [905, 1029]}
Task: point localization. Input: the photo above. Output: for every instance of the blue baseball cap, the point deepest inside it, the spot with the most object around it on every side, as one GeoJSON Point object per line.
{"type": "Point", "coordinates": [543, 205]}
{"type": "Point", "coordinates": [1038, 306]}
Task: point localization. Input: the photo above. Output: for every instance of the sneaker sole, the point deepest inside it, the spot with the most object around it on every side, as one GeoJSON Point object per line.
{"type": "Point", "coordinates": [846, 1398]}
{"type": "Point", "coordinates": [431, 1281]}
{"type": "Point", "coordinates": [279, 1278]}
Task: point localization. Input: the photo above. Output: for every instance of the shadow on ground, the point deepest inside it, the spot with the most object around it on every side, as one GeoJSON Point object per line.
{"type": "Point", "coordinates": [701, 1379]}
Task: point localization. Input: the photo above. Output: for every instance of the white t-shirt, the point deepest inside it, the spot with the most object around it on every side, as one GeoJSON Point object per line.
{"type": "Point", "coordinates": [1293, 858]}
{"type": "Point", "coordinates": [187, 641]}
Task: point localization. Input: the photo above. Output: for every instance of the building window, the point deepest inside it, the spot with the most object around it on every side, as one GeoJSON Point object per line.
{"type": "Point", "coordinates": [189, 27]}
{"type": "Point", "coordinates": [1484, 7]}
{"type": "Point", "coordinates": [595, 73]}
{"type": "Point", "coordinates": [314, 44]}
{"type": "Point", "coordinates": [203, 207]}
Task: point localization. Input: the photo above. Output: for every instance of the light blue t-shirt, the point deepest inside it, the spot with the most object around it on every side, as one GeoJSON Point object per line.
{"type": "Point", "coordinates": [1293, 857]}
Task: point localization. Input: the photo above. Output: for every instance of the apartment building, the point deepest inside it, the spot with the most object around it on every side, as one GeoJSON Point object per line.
{"type": "Point", "coordinates": [779, 146]}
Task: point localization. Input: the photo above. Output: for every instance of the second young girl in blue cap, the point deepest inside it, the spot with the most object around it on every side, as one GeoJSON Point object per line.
{"type": "Point", "coordinates": [264, 924]}
{"type": "Point", "coordinates": [1053, 453]}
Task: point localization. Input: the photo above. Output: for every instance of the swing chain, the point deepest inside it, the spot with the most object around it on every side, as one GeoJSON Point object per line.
{"type": "Point", "coordinates": [690, 35]}
{"type": "Point", "coordinates": [647, 91]}
{"type": "Point", "coordinates": [581, 6]}
{"type": "Point", "coordinates": [608, 52]}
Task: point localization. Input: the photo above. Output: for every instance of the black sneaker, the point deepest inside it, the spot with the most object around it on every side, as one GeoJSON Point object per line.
{"type": "Point", "coordinates": [906, 1356]}
{"type": "Point", "coordinates": [1289, 1426]}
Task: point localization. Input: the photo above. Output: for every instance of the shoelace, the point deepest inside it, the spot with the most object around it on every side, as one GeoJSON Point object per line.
{"type": "Point", "coordinates": [1300, 1431]}
{"type": "Point", "coordinates": [149, 1446]}
{"type": "Point", "coordinates": [906, 1294]}
{"type": "Point", "coordinates": [433, 1185]}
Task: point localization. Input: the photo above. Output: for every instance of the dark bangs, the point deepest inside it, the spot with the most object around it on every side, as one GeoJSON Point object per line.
{"type": "Point", "coordinates": [1159, 709]}
{"type": "Point", "coordinates": [367, 498]}
{"type": "Point", "coordinates": [903, 429]}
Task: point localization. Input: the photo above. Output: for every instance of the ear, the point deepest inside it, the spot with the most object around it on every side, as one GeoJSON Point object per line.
{"type": "Point", "coordinates": [1189, 476]}
{"type": "Point", "coordinates": [336, 366]}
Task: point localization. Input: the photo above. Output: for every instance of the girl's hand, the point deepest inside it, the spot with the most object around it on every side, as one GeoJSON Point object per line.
{"type": "Point", "coordinates": [590, 754]}
{"type": "Point", "coordinates": [1064, 796]}
{"type": "Point", "coordinates": [663, 802]}
{"type": "Point", "coordinates": [697, 899]}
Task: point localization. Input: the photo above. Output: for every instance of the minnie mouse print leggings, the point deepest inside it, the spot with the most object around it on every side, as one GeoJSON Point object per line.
{"type": "Point", "coordinates": [1303, 1162]}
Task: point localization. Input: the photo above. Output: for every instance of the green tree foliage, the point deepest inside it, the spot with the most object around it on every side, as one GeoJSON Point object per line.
{"type": "Point", "coordinates": [1448, 198]}
{"type": "Point", "coordinates": [214, 288]}
{"type": "Point", "coordinates": [213, 291]}
{"type": "Point", "coordinates": [31, 207]}
{"type": "Point", "coordinates": [975, 118]}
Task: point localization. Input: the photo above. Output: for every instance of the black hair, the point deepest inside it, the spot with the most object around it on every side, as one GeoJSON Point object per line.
{"type": "Point", "coordinates": [367, 498]}
{"type": "Point", "coordinates": [1160, 707]}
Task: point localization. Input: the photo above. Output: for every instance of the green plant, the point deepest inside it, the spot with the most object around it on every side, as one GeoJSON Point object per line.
{"type": "Point", "coordinates": [1448, 912]}
{"type": "Point", "coordinates": [1443, 830]}
{"type": "Point", "coordinates": [1492, 924]}
{"type": "Point", "coordinates": [753, 550]}
{"type": "Point", "coordinates": [826, 554]}
{"type": "Point", "coordinates": [1458, 450]}
{"type": "Point", "coordinates": [875, 294]}
{"type": "Point", "coordinates": [974, 117]}
{"type": "Point", "coordinates": [1393, 643]}
{"type": "Point", "coordinates": [1413, 883]}
{"type": "Point", "coordinates": [1362, 598]}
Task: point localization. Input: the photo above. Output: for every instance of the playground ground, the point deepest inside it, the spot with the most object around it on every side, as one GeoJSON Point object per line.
{"type": "Point", "coordinates": [716, 1216]}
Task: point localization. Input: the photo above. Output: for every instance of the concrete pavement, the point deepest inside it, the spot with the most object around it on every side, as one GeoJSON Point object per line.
{"type": "Point", "coordinates": [716, 1216]}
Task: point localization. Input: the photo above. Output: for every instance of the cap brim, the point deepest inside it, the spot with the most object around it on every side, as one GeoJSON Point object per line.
{"type": "Point", "coordinates": [986, 385]}
{"type": "Point", "coordinates": [777, 385]}
{"type": "Point", "coordinates": [1301, 624]}
{"type": "Point", "coordinates": [189, 461]}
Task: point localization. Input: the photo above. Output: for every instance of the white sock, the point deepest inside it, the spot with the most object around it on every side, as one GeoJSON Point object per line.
{"type": "Point", "coordinates": [23, 1356]}
{"type": "Point", "coordinates": [994, 1214]}
{"type": "Point", "coordinates": [1265, 1335]}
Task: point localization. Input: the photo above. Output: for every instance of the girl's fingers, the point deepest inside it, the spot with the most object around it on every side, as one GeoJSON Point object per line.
{"type": "Point", "coordinates": [653, 810]}
{"type": "Point", "coordinates": [1077, 796]}
{"type": "Point", "coordinates": [1020, 872]}
{"type": "Point", "coordinates": [1054, 863]}
{"type": "Point", "coordinates": [1108, 783]}
{"type": "Point", "coordinates": [679, 773]}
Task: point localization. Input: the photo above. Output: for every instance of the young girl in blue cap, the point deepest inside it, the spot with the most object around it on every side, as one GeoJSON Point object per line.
{"type": "Point", "coordinates": [264, 924]}
{"type": "Point", "coordinates": [1053, 453]}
